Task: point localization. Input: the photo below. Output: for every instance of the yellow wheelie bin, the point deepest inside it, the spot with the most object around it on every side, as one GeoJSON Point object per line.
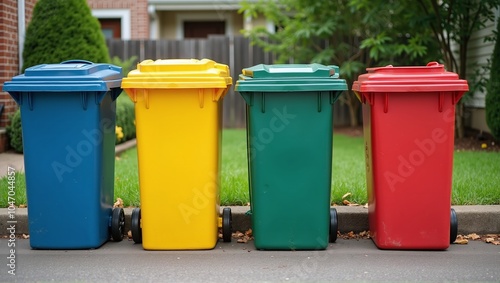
{"type": "Point", "coordinates": [178, 112]}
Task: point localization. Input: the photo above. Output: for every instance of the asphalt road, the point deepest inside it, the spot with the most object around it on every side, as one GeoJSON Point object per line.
{"type": "Point", "coordinates": [346, 260]}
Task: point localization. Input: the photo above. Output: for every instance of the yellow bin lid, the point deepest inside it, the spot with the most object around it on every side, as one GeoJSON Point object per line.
{"type": "Point", "coordinates": [178, 73]}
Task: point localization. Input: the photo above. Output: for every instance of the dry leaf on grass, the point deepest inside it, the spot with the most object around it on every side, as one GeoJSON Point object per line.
{"type": "Point", "coordinates": [22, 206]}
{"type": "Point", "coordinates": [118, 203]}
{"type": "Point", "coordinates": [346, 195]}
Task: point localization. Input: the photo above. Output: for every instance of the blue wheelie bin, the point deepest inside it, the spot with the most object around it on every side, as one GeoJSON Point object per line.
{"type": "Point", "coordinates": [68, 126]}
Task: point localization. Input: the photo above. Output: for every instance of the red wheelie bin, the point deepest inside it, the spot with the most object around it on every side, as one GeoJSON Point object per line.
{"type": "Point", "coordinates": [408, 123]}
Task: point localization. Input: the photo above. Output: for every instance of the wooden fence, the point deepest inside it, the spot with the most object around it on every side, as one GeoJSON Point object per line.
{"type": "Point", "coordinates": [237, 52]}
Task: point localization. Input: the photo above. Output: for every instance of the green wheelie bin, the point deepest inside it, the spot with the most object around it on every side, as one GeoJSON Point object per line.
{"type": "Point", "coordinates": [289, 147]}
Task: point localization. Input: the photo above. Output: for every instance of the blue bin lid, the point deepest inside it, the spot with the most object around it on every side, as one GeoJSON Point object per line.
{"type": "Point", "coordinates": [68, 76]}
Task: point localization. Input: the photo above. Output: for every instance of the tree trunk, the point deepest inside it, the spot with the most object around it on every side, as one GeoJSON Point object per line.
{"type": "Point", "coordinates": [353, 114]}
{"type": "Point", "coordinates": [459, 120]}
{"type": "Point", "coordinates": [353, 103]}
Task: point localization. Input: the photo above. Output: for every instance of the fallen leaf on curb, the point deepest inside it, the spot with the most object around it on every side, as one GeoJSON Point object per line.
{"type": "Point", "coordinates": [346, 202]}
{"type": "Point", "coordinates": [118, 203]}
{"type": "Point", "coordinates": [496, 243]}
{"type": "Point", "coordinates": [22, 206]}
{"type": "Point", "coordinates": [353, 236]}
{"type": "Point", "coordinates": [473, 236]}
{"type": "Point", "coordinates": [489, 240]}
{"type": "Point", "coordinates": [461, 240]}
{"type": "Point", "coordinates": [26, 236]}
{"type": "Point", "coordinates": [243, 237]}
{"type": "Point", "coordinates": [366, 205]}
{"type": "Point", "coordinates": [346, 195]}
{"type": "Point", "coordinates": [129, 234]}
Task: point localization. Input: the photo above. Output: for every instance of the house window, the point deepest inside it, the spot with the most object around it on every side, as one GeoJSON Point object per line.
{"type": "Point", "coordinates": [201, 29]}
{"type": "Point", "coordinates": [111, 28]}
{"type": "Point", "coordinates": [121, 18]}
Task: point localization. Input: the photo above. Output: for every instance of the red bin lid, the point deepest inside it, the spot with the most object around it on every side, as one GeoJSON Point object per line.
{"type": "Point", "coordinates": [430, 78]}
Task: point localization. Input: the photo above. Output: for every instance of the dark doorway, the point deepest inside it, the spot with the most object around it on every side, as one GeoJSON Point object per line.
{"type": "Point", "coordinates": [201, 29]}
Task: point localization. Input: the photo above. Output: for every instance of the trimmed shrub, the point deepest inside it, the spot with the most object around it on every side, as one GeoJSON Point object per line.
{"type": "Point", "coordinates": [125, 115]}
{"type": "Point", "coordinates": [493, 92]}
{"type": "Point", "coordinates": [63, 30]}
{"type": "Point", "coordinates": [125, 118]}
{"type": "Point", "coordinates": [14, 132]}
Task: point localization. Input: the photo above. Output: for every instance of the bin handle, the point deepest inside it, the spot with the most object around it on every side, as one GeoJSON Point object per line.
{"type": "Point", "coordinates": [77, 61]}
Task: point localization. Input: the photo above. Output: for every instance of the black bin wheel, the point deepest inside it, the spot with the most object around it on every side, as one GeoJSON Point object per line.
{"type": "Point", "coordinates": [136, 225]}
{"type": "Point", "coordinates": [227, 224]}
{"type": "Point", "coordinates": [453, 226]}
{"type": "Point", "coordinates": [117, 224]}
{"type": "Point", "coordinates": [334, 225]}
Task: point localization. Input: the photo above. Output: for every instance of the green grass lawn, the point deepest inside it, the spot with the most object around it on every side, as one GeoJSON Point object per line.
{"type": "Point", "coordinates": [475, 174]}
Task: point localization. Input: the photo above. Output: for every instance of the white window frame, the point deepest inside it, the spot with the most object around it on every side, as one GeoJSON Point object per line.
{"type": "Point", "coordinates": [122, 14]}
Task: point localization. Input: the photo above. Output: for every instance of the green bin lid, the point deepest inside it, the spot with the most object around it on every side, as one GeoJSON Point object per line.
{"type": "Point", "coordinates": [290, 78]}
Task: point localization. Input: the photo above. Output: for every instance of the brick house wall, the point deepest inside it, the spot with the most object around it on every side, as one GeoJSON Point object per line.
{"type": "Point", "coordinates": [9, 56]}
{"type": "Point", "coordinates": [139, 16]}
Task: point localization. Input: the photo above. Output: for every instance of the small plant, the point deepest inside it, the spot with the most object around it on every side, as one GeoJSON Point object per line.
{"type": "Point", "coordinates": [125, 118]}
{"type": "Point", "coordinates": [119, 133]}
{"type": "Point", "coordinates": [15, 133]}
{"type": "Point", "coordinates": [126, 64]}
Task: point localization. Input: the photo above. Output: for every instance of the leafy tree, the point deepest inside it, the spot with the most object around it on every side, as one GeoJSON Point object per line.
{"type": "Point", "coordinates": [493, 91]}
{"type": "Point", "coordinates": [453, 22]}
{"type": "Point", "coordinates": [62, 30]}
{"type": "Point", "coordinates": [353, 34]}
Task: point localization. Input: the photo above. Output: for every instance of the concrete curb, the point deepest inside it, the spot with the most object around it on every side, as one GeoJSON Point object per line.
{"type": "Point", "coordinates": [480, 219]}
